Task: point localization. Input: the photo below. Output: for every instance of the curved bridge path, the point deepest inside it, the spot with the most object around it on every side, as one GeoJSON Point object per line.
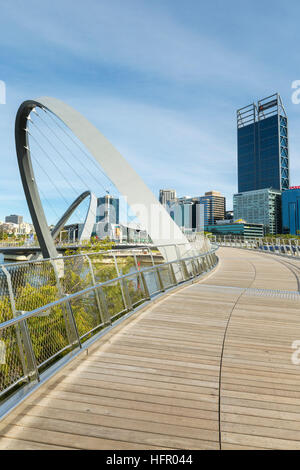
{"type": "Point", "coordinates": [208, 367]}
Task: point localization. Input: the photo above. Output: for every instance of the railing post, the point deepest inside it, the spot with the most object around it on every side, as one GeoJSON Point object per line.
{"type": "Point", "coordinates": [180, 263]}
{"type": "Point", "coordinates": [284, 246]}
{"type": "Point", "coordinates": [128, 303]}
{"type": "Point", "coordinates": [161, 285]}
{"type": "Point", "coordinates": [207, 266]}
{"type": "Point", "coordinates": [104, 306]}
{"type": "Point", "coordinates": [27, 355]}
{"type": "Point", "coordinates": [206, 261]}
{"type": "Point", "coordinates": [137, 267]}
{"type": "Point", "coordinates": [71, 327]}
{"type": "Point", "coordinates": [209, 261]}
{"type": "Point", "coordinates": [151, 255]}
{"type": "Point", "coordinates": [185, 270]}
{"type": "Point", "coordinates": [94, 283]}
{"type": "Point", "coordinates": [118, 275]}
{"type": "Point", "coordinates": [145, 286]}
{"type": "Point", "coordinates": [32, 369]}
{"type": "Point", "coordinates": [173, 275]}
{"type": "Point", "coordinates": [199, 265]}
{"type": "Point", "coordinates": [194, 268]}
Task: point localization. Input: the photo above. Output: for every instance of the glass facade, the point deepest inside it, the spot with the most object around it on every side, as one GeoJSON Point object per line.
{"type": "Point", "coordinates": [108, 209]}
{"type": "Point", "coordinates": [262, 207]}
{"type": "Point", "coordinates": [181, 213]}
{"type": "Point", "coordinates": [214, 206]}
{"type": "Point", "coordinates": [262, 140]}
{"type": "Point", "coordinates": [239, 230]}
{"type": "Point", "coordinates": [291, 211]}
{"type": "Point", "coordinates": [167, 195]}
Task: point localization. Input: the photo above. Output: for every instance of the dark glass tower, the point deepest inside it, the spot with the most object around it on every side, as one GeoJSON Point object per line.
{"type": "Point", "coordinates": [291, 211]}
{"type": "Point", "coordinates": [263, 154]}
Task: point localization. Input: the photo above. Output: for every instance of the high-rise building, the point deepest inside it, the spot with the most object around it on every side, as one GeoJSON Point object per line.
{"type": "Point", "coordinates": [167, 195]}
{"type": "Point", "coordinates": [214, 206]}
{"type": "Point", "coordinates": [15, 219]}
{"type": "Point", "coordinates": [259, 207]}
{"type": "Point", "coordinates": [108, 209]}
{"type": "Point", "coordinates": [181, 213]}
{"type": "Point", "coordinates": [263, 150]}
{"type": "Point", "coordinates": [218, 204]}
{"type": "Point", "coordinates": [291, 211]}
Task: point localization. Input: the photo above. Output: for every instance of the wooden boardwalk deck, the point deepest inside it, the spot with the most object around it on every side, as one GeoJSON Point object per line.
{"type": "Point", "coordinates": [208, 367]}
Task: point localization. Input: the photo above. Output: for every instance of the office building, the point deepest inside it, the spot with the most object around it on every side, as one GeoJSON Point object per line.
{"type": "Point", "coordinates": [181, 213]}
{"type": "Point", "coordinates": [14, 219]}
{"type": "Point", "coordinates": [239, 229]}
{"type": "Point", "coordinates": [229, 215]}
{"type": "Point", "coordinates": [191, 213]}
{"type": "Point", "coordinates": [167, 195]}
{"type": "Point", "coordinates": [291, 211]}
{"type": "Point", "coordinates": [214, 206]}
{"type": "Point", "coordinates": [108, 209]}
{"type": "Point", "coordinates": [218, 205]}
{"type": "Point", "coordinates": [259, 207]}
{"type": "Point", "coordinates": [263, 150]}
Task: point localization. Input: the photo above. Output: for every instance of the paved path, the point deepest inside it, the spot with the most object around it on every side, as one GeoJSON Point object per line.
{"type": "Point", "coordinates": [208, 367]}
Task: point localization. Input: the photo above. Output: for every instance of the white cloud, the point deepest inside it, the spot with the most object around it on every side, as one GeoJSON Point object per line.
{"type": "Point", "coordinates": [166, 147]}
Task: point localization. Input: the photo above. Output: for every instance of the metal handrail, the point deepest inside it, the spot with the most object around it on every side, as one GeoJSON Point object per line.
{"type": "Point", "coordinates": [41, 340]}
{"type": "Point", "coordinates": [100, 252]}
{"type": "Point", "coordinates": [71, 297]}
{"type": "Point", "coordinates": [275, 246]}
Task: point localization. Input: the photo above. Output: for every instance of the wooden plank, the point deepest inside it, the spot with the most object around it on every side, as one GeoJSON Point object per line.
{"type": "Point", "coordinates": [17, 444]}
{"type": "Point", "coordinates": [68, 439]}
{"type": "Point", "coordinates": [108, 405]}
{"type": "Point", "coordinates": [155, 383]}
{"type": "Point", "coordinates": [71, 425]}
{"type": "Point", "coordinates": [66, 401]}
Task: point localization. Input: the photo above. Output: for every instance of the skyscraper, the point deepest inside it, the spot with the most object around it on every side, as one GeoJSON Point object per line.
{"type": "Point", "coordinates": [291, 211]}
{"type": "Point", "coordinates": [167, 195]}
{"type": "Point", "coordinates": [108, 209]}
{"type": "Point", "coordinates": [214, 206]}
{"type": "Point", "coordinates": [15, 219]}
{"type": "Point", "coordinates": [181, 213]}
{"type": "Point", "coordinates": [263, 153]}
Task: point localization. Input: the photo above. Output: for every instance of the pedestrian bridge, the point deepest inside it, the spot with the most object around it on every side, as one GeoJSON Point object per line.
{"type": "Point", "coordinates": [207, 366]}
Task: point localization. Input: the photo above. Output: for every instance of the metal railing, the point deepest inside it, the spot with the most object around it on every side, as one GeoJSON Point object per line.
{"type": "Point", "coordinates": [279, 246]}
{"type": "Point", "coordinates": [192, 237]}
{"type": "Point", "coordinates": [51, 308]}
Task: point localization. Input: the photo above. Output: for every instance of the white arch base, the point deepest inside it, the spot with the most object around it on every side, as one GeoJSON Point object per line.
{"type": "Point", "coordinates": [86, 230]}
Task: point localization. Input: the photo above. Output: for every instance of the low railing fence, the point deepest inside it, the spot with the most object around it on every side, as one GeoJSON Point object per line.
{"type": "Point", "coordinates": [49, 308]}
{"type": "Point", "coordinates": [288, 247]}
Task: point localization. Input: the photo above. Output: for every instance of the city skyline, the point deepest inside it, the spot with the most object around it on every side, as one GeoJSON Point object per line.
{"type": "Point", "coordinates": [160, 100]}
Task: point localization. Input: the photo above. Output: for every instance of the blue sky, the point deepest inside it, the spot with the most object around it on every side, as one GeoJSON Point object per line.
{"type": "Point", "coordinates": [161, 79]}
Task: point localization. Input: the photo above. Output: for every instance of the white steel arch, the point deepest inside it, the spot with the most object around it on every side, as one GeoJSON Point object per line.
{"type": "Point", "coordinates": [152, 215]}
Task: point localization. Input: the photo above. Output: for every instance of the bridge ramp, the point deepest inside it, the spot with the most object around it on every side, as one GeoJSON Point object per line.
{"type": "Point", "coordinates": [207, 367]}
